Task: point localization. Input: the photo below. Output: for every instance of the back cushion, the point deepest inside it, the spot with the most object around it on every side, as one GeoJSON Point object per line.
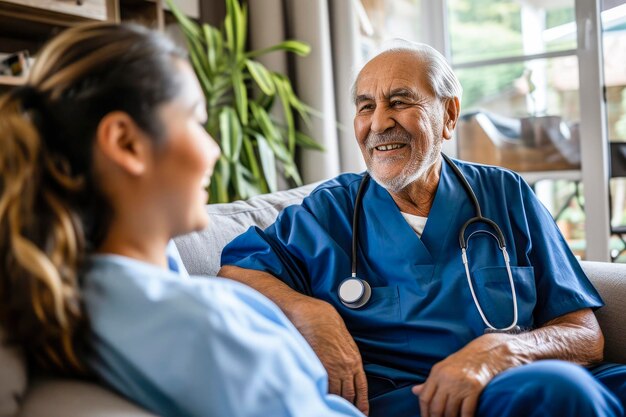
{"type": "Point", "coordinates": [13, 377]}
{"type": "Point", "coordinates": [201, 251]}
{"type": "Point", "coordinates": [610, 281]}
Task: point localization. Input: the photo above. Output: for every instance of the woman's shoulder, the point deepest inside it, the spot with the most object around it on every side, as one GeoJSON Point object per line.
{"type": "Point", "coordinates": [117, 289]}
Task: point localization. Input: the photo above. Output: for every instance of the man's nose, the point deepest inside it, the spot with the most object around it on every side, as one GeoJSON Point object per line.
{"type": "Point", "coordinates": [381, 120]}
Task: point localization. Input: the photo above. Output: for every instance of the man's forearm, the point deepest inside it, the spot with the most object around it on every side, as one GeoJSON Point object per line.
{"type": "Point", "coordinates": [295, 305]}
{"type": "Point", "coordinates": [574, 337]}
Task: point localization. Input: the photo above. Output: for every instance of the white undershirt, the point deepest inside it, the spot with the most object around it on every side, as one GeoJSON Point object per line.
{"type": "Point", "coordinates": [417, 223]}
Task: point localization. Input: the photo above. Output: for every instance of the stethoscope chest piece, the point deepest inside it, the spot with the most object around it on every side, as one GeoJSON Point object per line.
{"type": "Point", "coordinates": [354, 292]}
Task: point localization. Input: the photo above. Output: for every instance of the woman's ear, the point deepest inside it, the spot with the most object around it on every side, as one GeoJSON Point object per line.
{"type": "Point", "coordinates": [452, 108]}
{"type": "Point", "coordinates": [123, 143]}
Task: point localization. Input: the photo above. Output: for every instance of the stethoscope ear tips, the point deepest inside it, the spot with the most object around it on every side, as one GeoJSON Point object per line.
{"type": "Point", "coordinates": [354, 292]}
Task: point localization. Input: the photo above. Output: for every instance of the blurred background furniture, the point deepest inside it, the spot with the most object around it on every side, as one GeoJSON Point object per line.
{"type": "Point", "coordinates": [536, 143]}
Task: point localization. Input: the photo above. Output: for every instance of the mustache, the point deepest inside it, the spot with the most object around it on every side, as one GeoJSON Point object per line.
{"type": "Point", "coordinates": [396, 135]}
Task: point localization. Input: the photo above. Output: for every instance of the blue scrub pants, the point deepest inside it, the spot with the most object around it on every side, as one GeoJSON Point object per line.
{"type": "Point", "coordinates": [541, 389]}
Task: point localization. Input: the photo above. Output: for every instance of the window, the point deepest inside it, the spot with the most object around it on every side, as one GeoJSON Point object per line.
{"type": "Point", "coordinates": [614, 56]}
{"type": "Point", "coordinates": [521, 66]}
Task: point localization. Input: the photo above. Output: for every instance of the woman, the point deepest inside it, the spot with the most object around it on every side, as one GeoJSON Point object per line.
{"type": "Point", "coordinates": [104, 159]}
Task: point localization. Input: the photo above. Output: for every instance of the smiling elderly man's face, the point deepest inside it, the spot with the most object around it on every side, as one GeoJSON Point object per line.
{"type": "Point", "coordinates": [399, 122]}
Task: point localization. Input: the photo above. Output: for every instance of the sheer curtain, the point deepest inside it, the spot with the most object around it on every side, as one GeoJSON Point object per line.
{"type": "Point", "coordinates": [323, 79]}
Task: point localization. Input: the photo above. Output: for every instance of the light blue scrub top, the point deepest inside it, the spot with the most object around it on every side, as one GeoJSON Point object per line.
{"type": "Point", "coordinates": [421, 309]}
{"type": "Point", "coordinates": [197, 346]}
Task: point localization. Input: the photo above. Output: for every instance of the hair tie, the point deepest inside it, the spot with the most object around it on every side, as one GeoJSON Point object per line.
{"type": "Point", "coordinates": [29, 96]}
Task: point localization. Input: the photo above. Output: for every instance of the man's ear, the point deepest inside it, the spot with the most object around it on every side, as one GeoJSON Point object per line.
{"type": "Point", "coordinates": [452, 108]}
{"type": "Point", "coordinates": [120, 140]}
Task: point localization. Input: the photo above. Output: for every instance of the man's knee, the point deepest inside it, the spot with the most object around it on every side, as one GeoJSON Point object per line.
{"type": "Point", "coordinates": [548, 388]}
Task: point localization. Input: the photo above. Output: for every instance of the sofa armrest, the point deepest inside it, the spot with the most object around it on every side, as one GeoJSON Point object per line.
{"type": "Point", "coordinates": [610, 281]}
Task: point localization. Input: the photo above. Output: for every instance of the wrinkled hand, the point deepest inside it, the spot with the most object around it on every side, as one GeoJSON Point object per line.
{"type": "Point", "coordinates": [454, 384]}
{"type": "Point", "coordinates": [324, 329]}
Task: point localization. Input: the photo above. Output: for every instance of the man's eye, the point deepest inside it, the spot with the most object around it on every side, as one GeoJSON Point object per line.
{"type": "Point", "coordinates": [396, 103]}
{"type": "Point", "coordinates": [366, 107]}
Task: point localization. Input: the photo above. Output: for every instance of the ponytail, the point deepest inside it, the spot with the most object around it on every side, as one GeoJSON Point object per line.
{"type": "Point", "coordinates": [52, 210]}
{"type": "Point", "coordinates": [41, 241]}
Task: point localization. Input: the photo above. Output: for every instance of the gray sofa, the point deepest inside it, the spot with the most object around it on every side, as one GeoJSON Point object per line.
{"type": "Point", "coordinates": [53, 397]}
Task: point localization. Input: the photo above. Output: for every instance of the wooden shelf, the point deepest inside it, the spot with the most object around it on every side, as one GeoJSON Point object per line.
{"type": "Point", "coordinates": [27, 27]}
{"type": "Point", "coordinates": [43, 17]}
{"type": "Point", "coordinates": [57, 12]}
{"type": "Point", "coordinates": [7, 80]}
{"type": "Point", "coordinates": [29, 24]}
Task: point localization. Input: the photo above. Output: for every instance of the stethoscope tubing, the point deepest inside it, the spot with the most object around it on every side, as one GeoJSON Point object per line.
{"type": "Point", "coordinates": [463, 243]}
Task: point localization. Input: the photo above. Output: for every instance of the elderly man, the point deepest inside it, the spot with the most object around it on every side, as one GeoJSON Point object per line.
{"type": "Point", "coordinates": [442, 316]}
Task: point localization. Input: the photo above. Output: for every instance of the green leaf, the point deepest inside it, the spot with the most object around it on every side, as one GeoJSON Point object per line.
{"type": "Point", "coordinates": [308, 142]}
{"type": "Point", "coordinates": [291, 171]}
{"type": "Point", "coordinates": [268, 162]}
{"type": "Point", "coordinates": [230, 31]}
{"type": "Point", "coordinates": [221, 86]}
{"type": "Point", "coordinates": [281, 151]}
{"type": "Point", "coordinates": [200, 72]}
{"type": "Point", "coordinates": [218, 44]}
{"type": "Point", "coordinates": [220, 181]}
{"type": "Point", "coordinates": [251, 160]}
{"type": "Point", "coordinates": [271, 133]}
{"type": "Point", "coordinates": [261, 76]}
{"type": "Point", "coordinates": [266, 101]}
{"type": "Point", "coordinates": [230, 134]}
{"type": "Point", "coordinates": [241, 96]}
{"type": "Point", "coordinates": [214, 188]}
{"type": "Point", "coordinates": [302, 109]}
{"type": "Point", "coordinates": [243, 184]}
{"type": "Point", "coordinates": [211, 47]}
{"type": "Point", "coordinates": [188, 26]}
{"type": "Point", "coordinates": [236, 27]}
{"type": "Point", "coordinates": [200, 64]}
{"type": "Point", "coordinates": [285, 93]}
{"type": "Point", "coordinates": [264, 122]}
{"type": "Point", "coordinates": [241, 25]}
{"type": "Point", "coordinates": [297, 47]}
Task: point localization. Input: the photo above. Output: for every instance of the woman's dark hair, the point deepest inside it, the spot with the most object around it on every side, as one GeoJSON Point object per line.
{"type": "Point", "coordinates": [51, 211]}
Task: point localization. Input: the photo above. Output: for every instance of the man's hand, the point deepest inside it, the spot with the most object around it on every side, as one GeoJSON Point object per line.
{"type": "Point", "coordinates": [324, 329]}
{"type": "Point", "coordinates": [454, 384]}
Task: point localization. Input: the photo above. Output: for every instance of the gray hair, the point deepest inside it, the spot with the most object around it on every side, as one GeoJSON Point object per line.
{"type": "Point", "coordinates": [438, 73]}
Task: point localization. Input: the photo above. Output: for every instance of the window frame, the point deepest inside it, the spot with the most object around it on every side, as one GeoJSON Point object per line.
{"type": "Point", "coordinates": [594, 172]}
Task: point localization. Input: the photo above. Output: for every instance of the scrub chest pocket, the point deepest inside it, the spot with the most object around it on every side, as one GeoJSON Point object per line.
{"type": "Point", "coordinates": [493, 291]}
{"type": "Point", "coordinates": [373, 324]}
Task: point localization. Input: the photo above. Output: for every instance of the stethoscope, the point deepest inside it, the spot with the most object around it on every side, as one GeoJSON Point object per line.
{"type": "Point", "coordinates": [355, 292]}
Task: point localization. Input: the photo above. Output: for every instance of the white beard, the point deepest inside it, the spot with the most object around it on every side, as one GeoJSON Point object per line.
{"type": "Point", "coordinates": [411, 172]}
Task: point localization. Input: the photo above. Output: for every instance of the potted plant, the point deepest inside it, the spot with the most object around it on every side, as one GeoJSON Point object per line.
{"type": "Point", "coordinates": [240, 92]}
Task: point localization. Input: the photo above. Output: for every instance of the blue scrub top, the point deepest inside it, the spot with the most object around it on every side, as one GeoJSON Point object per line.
{"type": "Point", "coordinates": [421, 309]}
{"type": "Point", "coordinates": [196, 346]}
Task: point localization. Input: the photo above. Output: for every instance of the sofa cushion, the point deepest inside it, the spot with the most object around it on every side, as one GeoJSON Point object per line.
{"type": "Point", "coordinates": [52, 397]}
{"type": "Point", "coordinates": [13, 377]}
{"type": "Point", "coordinates": [610, 281]}
{"type": "Point", "coordinates": [201, 251]}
